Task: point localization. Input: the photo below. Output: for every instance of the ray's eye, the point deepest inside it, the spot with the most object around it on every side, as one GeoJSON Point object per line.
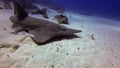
{"type": "Point", "coordinates": [35, 23]}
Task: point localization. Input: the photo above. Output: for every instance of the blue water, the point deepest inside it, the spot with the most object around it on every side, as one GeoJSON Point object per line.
{"type": "Point", "coordinates": [106, 8]}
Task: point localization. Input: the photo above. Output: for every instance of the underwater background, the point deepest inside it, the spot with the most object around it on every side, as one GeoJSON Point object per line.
{"type": "Point", "coordinates": [97, 46]}
{"type": "Point", "coordinates": [104, 8]}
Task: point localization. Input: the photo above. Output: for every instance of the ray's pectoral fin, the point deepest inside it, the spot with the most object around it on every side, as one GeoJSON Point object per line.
{"type": "Point", "coordinates": [18, 29]}
{"type": "Point", "coordinates": [41, 35]}
{"type": "Point", "coordinates": [19, 10]}
{"type": "Point", "coordinates": [67, 31]}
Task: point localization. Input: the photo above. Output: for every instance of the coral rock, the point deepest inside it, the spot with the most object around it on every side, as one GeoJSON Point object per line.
{"type": "Point", "coordinates": [62, 19]}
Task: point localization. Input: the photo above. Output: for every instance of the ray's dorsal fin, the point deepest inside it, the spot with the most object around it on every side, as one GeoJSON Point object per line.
{"type": "Point", "coordinates": [19, 10]}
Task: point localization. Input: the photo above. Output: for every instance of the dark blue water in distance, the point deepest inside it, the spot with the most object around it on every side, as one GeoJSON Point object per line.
{"type": "Point", "coordinates": [105, 8]}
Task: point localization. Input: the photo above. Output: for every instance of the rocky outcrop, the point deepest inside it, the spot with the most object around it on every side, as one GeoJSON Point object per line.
{"type": "Point", "coordinates": [62, 19]}
{"type": "Point", "coordinates": [1, 5]}
{"type": "Point", "coordinates": [42, 11]}
{"type": "Point", "coordinates": [5, 5]}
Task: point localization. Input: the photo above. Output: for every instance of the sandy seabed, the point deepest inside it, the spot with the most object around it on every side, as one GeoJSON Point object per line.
{"type": "Point", "coordinates": [98, 45]}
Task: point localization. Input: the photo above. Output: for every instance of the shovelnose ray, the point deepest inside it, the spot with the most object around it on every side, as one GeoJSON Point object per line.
{"type": "Point", "coordinates": [42, 30]}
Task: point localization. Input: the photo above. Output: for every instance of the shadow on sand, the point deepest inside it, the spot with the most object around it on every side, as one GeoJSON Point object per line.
{"type": "Point", "coordinates": [58, 38]}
